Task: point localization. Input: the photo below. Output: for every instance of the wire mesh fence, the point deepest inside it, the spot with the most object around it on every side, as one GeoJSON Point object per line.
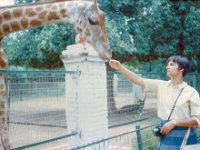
{"type": "Point", "coordinates": [36, 107]}
{"type": "Point", "coordinates": [127, 102]}
{"type": "Point", "coordinates": [37, 115]}
{"type": "Point", "coordinates": [141, 139]}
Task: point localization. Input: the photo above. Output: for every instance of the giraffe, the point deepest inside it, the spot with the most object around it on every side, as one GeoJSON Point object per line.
{"type": "Point", "coordinates": [86, 17]}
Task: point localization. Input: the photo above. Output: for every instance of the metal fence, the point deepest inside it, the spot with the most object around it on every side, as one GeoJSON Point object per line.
{"type": "Point", "coordinates": [140, 138]}
{"type": "Point", "coordinates": [36, 109]}
{"type": "Point", "coordinates": [37, 118]}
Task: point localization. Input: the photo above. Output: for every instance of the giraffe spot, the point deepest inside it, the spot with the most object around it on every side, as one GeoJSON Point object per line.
{"type": "Point", "coordinates": [17, 12]}
{"type": "Point", "coordinates": [1, 35]}
{"type": "Point", "coordinates": [3, 119]}
{"type": "Point", "coordinates": [15, 26]}
{"type": "Point", "coordinates": [0, 19]}
{"type": "Point", "coordinates": [36, 23]}
{"type": "Point", "coordinates": [53, 16]}
{"type": "Point", "coordinates": [79, 29]}
{"type": "Point", "coordinates": [30, 12]}
{"type": "Point", "coordinates": [87, 32]}
{"type": "Point", "coordinates": [42, 15]}
{"type": "Point", "coordinates": [24, 23]}
{"type": "Point", "coordinates": [39, 8]}
{"type": "Point", "coordinates": [6, 28]}
{"type": "Point", "coordinates": [1, 112]}
{"type": "Point", "coordinates": [5, 128]}
{"type": "Point", "coordinates": [89, 41]}
{"type": "Point", "coordinates": [103, 37]}
{"type": "Point", "coordinates": [1, 86]}
{"type": "Point", "coordinates": [6, 15]}
{"type": "Point", "coordinates": [63, 12]}
{"type": "Point", "coordinates": [2, 93]}
{"type": "Point", "coordinates": [2, 104]}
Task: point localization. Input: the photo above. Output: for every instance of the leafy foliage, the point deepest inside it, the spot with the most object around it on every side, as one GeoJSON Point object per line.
{"type": "Point", "coordinates": [118, 31]}
{"type": "Point", "coordinates": [139, 31]}
{"type": "Point", "coordinates": [159, 28]}
{"type": "Point", "coordinates": [40, 47]}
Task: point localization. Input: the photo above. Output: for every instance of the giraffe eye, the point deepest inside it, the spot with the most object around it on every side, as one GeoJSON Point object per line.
{"type": "Point", "coordinates": [92, 22]}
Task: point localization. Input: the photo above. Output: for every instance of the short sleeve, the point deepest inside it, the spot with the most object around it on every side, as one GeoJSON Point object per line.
{"type": "Point", "coordinates": [151, 84]}
{"type": "Point", "coordinates": [197, 118]}
{"type": "Point", "coordinates": [195, 103]}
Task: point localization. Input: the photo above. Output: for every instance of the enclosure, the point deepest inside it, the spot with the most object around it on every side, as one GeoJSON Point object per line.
{"type": "Point", "coordinates": [37, 119]}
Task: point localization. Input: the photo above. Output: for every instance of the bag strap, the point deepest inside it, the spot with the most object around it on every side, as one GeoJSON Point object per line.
{"type": "Point", "coordinates": [175, 104]}
{"type": "Point", "coordinates": [185, 139]}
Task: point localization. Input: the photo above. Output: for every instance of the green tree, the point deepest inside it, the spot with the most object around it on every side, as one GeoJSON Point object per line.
{"type": "Point", "coordinates": [40, 47]}
{"type": "Point", "coordinates": [162, 28]}
{"type": "Point", "coordinates": [118, 31]}
{"type": "Point", "coordinates": [157, 28]}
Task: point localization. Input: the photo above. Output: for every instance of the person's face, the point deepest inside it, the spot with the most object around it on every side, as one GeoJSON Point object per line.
{"type": "Point", "coordinates": [173, 69]}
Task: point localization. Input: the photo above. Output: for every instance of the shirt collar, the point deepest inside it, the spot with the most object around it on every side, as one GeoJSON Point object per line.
{"type": "Point", "coordinates": [180, 86]}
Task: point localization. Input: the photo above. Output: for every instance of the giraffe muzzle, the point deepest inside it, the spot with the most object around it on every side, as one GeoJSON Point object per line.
{"type": "Point", "coordinates": [105, 55]}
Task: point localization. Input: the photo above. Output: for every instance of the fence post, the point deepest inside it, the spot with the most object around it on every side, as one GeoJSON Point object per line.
{"type": "Point", "coordinates": [86, 96]}
{"type": "Point", "coordinates": [139, 138]}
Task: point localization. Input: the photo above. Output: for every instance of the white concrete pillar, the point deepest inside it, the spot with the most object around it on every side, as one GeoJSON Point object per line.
{"type": "Point", "coordinates": [86, 96]}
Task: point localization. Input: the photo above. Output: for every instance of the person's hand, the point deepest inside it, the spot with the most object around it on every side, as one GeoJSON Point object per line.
{"type": "Point", "coordinates": [167, 127]}
{"type": "Point", "coordinates": [115, 64]}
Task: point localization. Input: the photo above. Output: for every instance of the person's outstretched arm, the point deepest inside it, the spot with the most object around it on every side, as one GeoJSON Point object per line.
{"type": "Point", "coordinates": [133, 77]}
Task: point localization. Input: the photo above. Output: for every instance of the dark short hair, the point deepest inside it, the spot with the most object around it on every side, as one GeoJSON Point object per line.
{"type": "Point", "coordinates": [182, 62]}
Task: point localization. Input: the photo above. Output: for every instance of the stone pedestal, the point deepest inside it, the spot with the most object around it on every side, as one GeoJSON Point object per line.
{"type": "Point", "coordinates": [86, 96]}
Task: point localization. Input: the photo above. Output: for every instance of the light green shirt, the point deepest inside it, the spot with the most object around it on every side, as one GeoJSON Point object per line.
{"type": "Point", "coordinates": [187, 106]}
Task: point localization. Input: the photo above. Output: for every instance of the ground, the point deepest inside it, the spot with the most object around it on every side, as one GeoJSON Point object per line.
{"type": "Point", "coordinates": [40, 119]}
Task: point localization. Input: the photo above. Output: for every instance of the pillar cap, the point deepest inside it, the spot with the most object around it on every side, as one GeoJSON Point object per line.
{"type": "Point", "coordinates": [80, 52]}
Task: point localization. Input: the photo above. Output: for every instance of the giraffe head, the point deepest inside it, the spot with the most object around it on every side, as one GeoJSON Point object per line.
{"type": "Point", "coordinates": [91, 25]}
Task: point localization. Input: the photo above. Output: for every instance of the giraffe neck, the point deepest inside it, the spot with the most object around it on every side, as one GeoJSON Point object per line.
{"type": "Point", "coordinates": [28, 16]}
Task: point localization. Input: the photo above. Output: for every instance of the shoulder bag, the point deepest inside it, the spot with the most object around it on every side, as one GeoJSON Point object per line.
{"type": "Point", "coordinates": [188, 147]}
